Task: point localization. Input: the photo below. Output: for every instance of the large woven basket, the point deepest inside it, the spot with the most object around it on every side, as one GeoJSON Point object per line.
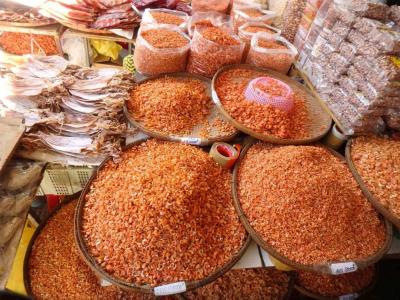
{"type": "Point", "coordinates": [320, 120]}
{"type": "Point", "coordinates": [374, 201]}
{"type": "Point", "coordinates": [358, 294]}
{"type": "Point", "coordinates": [99, 271]}
{"type": "Point", "coordinates": [194, 137]}
{"type": "Point", "coordinates": [27, 279]}
{"type": "Point", "coordinates": [321, 268]}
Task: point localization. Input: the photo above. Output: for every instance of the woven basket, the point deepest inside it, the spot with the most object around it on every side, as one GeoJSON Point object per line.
{"type": "Point", "coordinates": [374, 201]}
{"type": "Point", "coordinates": [286, 297]}
{"type": "Point", "coordinates": [361, 293]}
{"type": "Point", "coordinates": [100, 272]}
{"type": "Point", "coordinates": [194, 137]}
{"type": "Point", "coordinates": [27, 280]}
{"type": "Point", "coordinates": [322, 268]}
{"type": "Point", "coordinates": [320, 120]}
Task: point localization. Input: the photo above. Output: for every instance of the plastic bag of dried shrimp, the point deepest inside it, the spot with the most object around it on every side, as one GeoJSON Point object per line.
{"type": "Point", "coordinates": [210, 5]}
{"type": "Point", "coordinates": [248, 30]}
{"type": "Point", "coordinates": [245, 14]}
{"type": "Point", "coordinates": [161, 49]}
{"type": "Point", "coordinates": [207, 19]}
{"type": "Point", "coordinates": [165, 16]}
{"type": "Point", "coordinates": [271, 52]}
{"type": "Point", "coordinates": [213, 48]}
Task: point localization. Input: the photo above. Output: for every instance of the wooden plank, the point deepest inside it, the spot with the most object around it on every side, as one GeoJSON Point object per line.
{"type": "Point", "coordinates": [107, 37]}
{"type": "Point", "coordinates": [11, 131]}
{"type": "Point", "coordinates": [54, 30]}
{"type": "Point", "coordinates": [317, 96]}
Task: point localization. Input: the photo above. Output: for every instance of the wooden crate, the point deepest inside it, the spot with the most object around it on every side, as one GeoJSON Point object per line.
{"type": "Point", "coordinates": [51, 30]}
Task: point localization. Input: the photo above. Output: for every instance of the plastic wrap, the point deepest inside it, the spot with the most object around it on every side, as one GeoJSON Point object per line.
{"type": "Point", "coordinates": [392, 118]}
{"type": "Point", "coordinates": [291, 18]}
{"type": "Point", "coordinates": [148, 18]}
{"type": "Point", "coordinates": [338, 64]}
{"type": "Point", "coordinates": [150, 60]}
{"type": "Point", "coordinates": [244, 15]}
{"type": "Point", "coordinates": [220, 6]}
{"type": "Point", "coordinates": [348, 51]}
{"type": "Point", "coordinates": [209, 19]}
{"type": "Point", "coordinates": [347, 84]}
{"type": "Point", "coordinates": [394, 14]}
{"type": "Point", "coordinates": [262, 55]}
{"type": "Point", "coordinates": [206, 56]}
{"type": "Point", "coordinates": [299, 43]}
{"type": "Point", "coordinates": [341, 29]}
{"type": "Point", "coordinates": [248, 30]}
{"type": "Point", "coordinates": [385, 39]}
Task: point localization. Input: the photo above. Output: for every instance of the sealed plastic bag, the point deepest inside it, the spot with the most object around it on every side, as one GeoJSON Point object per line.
{"type": "Point", "coordinates": [244, 15]}
{"type": "Point", "coordinates": [211, 49]}
{"type": "Point", "coordinates": [220, 6]}
{"type": "Point", "coordinates": [208, 19]}
{"type": "Point", "coordinates": [248, 30]}
{"type": "Point", "coordinates": [291, 18]}
{"type": "Point", "coordinates": [165, 16]}
{"type": "Point", "coordinates": [161, 49]}
{"type": "Point", "coordinates": [270, 52]}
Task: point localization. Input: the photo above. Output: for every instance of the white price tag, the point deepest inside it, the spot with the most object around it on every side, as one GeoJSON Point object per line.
{"type": "Point", "coordinates": [192, 141]}
{"type": "Point", "coordinates": [170, 289]}
{"type": "Point", "coordinates": [348, 297]}
{"type": "Point", "coordinates": [343, 268]}
{"type": "Point", "coordinates": [105, 283]}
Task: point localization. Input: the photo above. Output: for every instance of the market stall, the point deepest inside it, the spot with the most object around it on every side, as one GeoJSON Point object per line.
{"type": "Point", "coordinates": [198, 149]}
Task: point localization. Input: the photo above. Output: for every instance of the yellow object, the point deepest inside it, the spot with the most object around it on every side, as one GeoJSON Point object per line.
{"type": "Point", "coordinates": [106, 48]}
{"type": "Point", "coordinates": [15, 282]}
{"type": "Point", "coordinates": [278, 265]}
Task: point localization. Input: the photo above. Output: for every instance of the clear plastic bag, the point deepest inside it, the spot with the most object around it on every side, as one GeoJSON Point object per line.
{"type": "Point", "coordinates": [207, 56]}
{"type": "Point", "coordinates": [392, 119]}
{"type": "Point", "coordinates": [291, 18]}
{"type": "Point", "coordinates": [262, 54]}
{"type": "Point", "coordinates": [220, 6]}
{"type": "Point", "coordinates": [165, 16]}
{"type": "Point", "coordinates": [152, 60]}
{"type": "Point", "coordinates": [248, 30]}
{"type": "Point", "coordinates": [8, 227]}
{"type": "Point", "coordinates": [248, 14]}
{"type": "Point", "coordinates": [348, 51]}
{"type": "Point", "coordinates": [209, 19]}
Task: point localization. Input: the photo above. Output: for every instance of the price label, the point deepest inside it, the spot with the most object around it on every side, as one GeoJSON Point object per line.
{"type": "Point", "coordinates": [170, 289]}
{"type": "Point", "coordinates": [343, 268]}
{"type": "Point", "coordinates": [105, 283]}
{"type": "Point", "coordinates": [192, 141]}
{"type": "Point", "coordinates": [348, 297]}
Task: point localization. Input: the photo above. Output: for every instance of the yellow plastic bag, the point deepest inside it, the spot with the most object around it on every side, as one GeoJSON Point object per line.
{"type": "Point", "coordinates": [106, 48]}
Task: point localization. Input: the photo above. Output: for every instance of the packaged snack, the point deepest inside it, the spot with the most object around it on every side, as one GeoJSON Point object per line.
{"type": "Point", "coordinates": [338, 63]}
{"type": "Point", "coordinates": [394, 14]}
{"type": "Point", "coordinates": [212, 48]}
{"type": "Point", "coordinates": [161, 49]}
{"type": "Point", "coordinates": [347, 84]}
{"type": "Point", "coordinates": [387, 40]}
{"type": "Point", "coordinates": [341, 29]}
{"type": "Point", "coordinates": [347, 50]}
{"type": "Point", "coordinates": [274, 53]}
{"type": "Point", "coordinates": [208, 19]}
{"type": "Point", "coordinates": [365, 25]}
{"type": "Point", "coordinates": [165, 16]}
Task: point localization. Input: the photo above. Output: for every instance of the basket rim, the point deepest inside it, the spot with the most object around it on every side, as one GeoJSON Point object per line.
{"type": "Point", "coordinates": [91, 262]}
{"type": "Point", "coordinates": [37, 232]}
{"type": "Point", "coordinates": [176, 137]}
{"type": "Point", "coordinates": [289, 292]}
{"type": "Point", "coordinates": [322, 268]}
{"type": "Point", "coordinates": [260, 136]}
{"type": "Point", "coordinates": [363, 292]}
{"type": "Point", "coordinates": [367, 193]}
